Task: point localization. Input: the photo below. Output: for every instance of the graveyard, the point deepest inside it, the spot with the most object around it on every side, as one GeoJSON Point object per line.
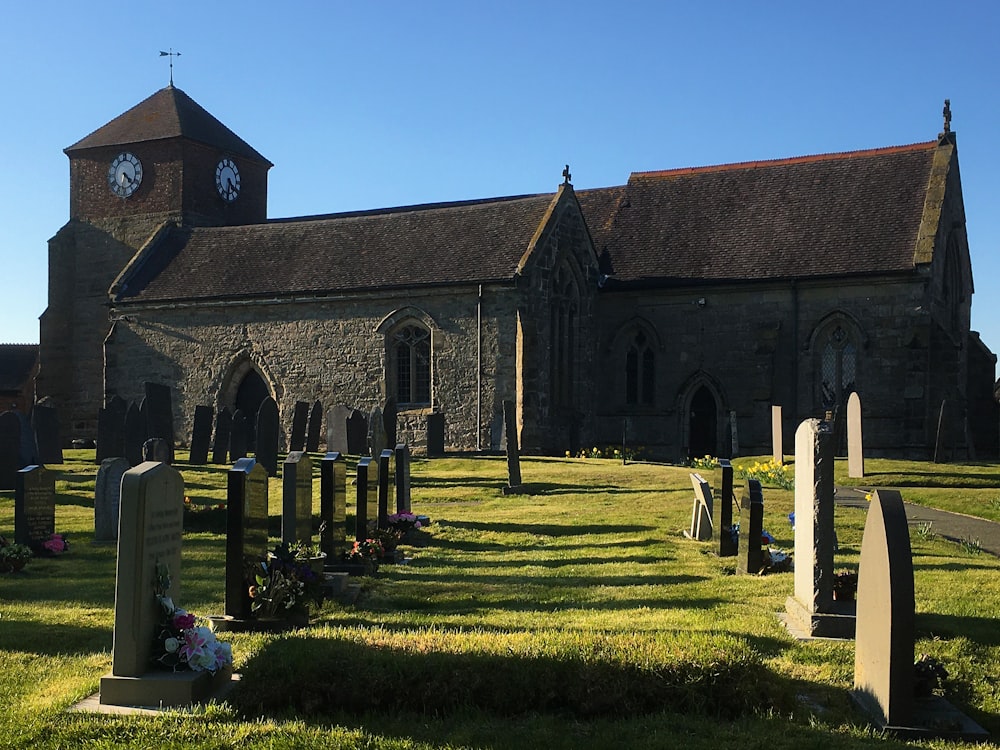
{"type": "Point", "coordinates": [580, 611]}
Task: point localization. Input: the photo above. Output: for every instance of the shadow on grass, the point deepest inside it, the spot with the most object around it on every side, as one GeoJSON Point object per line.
{"type": "Point", "coordinates": [51, 639]}
{"type": "Point", "coordinates": [981, 630]}
{"type": "Point", "coordinates": [557, 582]}
{"type": "Point", "coordinates": [545, 529]}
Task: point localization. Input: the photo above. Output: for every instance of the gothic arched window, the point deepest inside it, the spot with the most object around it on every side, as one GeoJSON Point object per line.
{"type": "Point", "coordinates": [838, 365]}
{"type": "Point", "coordinates": [640, 371]}
{"type": "Point", "coordinates": [410, 365]}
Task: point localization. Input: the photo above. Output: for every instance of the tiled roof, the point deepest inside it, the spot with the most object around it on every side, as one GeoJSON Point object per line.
{"type": "Point", "coordinates": [169, 113]}
{"type": "Point", "coordinates": [16, 363]}
{"type": "Point", "coordinates": [828, 215]}
{"type": "Point", "coordinates": [467, 242]}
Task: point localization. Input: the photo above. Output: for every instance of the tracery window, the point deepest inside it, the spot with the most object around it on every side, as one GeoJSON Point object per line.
{"type": "Point", "coordinates": [838, 366]}
{"type": "Point", "coordinates": [411, 364]}
{"type": "Point", "coordinates": [640, 371]}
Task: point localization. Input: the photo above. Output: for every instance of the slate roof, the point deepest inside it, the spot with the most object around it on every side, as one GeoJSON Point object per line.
{"type": "Point", "coordinates": [466, 242]}
{"type": "Point", "coordinates": [16, 363]}
{"type": "Point", "coordinates": [169, 113]}
{"type": "Point", "coordinates": [816, 216]}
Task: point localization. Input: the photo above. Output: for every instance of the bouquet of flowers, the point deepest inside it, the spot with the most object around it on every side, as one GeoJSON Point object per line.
{"type": "Point", "coordinates": [13, 557]}
{"type": "Point", "coordinates": [285, 582]}
{"type": "Point", "coordinates": [56, 544]}
{"type": "Point", "coordinates": [179, 642]}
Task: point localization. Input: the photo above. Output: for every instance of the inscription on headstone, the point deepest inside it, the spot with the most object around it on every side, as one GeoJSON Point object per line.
{"type": "Point", "coordinates": [201, 435]}
{"type": "Point", "coordinates": [333, 506]}
{"type": "Point", "coordinates": [246, 532]}
{"type": "Point", "coordinates": [107, 498]}
{"type": "Point", "coordinates": [300, 415]}
{"type": "Point", "coordinates": [268, 432]}
{"type": "Point", "coordinates": [34, 507]}
{"type": "Point", "coordinates": [296, 498]}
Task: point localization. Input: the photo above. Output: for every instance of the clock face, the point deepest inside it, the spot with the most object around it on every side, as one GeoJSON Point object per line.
{"type": "Point", "coordinates": [125, 174]}
{"type": "Point", "coordinates": [227, 180]}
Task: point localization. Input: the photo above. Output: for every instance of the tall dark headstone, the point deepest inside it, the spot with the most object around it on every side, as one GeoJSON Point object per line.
{"type": "Point", "coordinates": [333, 505]}
{"type": "Point", "coordinates": [435, 434]}
{"type": "Point", "coordinates": [223, 429]}
{"type": "Point", "coordinates": [34, 507]}
{"type": "Point", "coordinates": [246, 532]}
{"type": "Point", "coordinates": [336, 429]}
{"type": "Point", "coordinates": [366, 470]}
{"type": "Point", "coordinates": [29, 448]}
{"type": "Point", "coordinates": [315, 428]}
{"type": "Point", "coordinates": [701, 512]}
{"type": "Point", "coordinates": [201, 435]}
{"type": "Point", "coordinates": [107, 498]}
{"type": "Point", "coordinates": [377, 441]}
{"type": "Point", "coordinates": [402, 478]}
{"type": "Point", "coordinates": [749, 558]}
{"type": "Point", "coordinates": [268, 431]}
{"type": "Point", "coordinates": [45, 423]}
{"type": "Point", "coordinates": [357, 433]}
{"type": "Point", "coordinates": [386, 486]}
{"type": "Point", "coordinates": [389, 420]}
{"type": "Point", "coordinates": [160, 414]}
{"type": "Point", "coordinates": [10, 450]}
{"type": "Point", "coordinates": [239, 436]}
{"type": "Point", "coordinates": [722, 510]}
{"type": "Point", "coordinates": [135, 434]}
{"type": "Point", "coordinates": [111, 429]}
{"type": "Point", "coordinates": [296, 498]}
{"type": "Point", "coordinates": [513, 452]}
{"type": "Point", "coordinates": [300, 416]}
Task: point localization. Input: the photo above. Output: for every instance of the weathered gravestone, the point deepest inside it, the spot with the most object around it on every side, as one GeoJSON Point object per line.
{"type": "Point", "coordinates": [377, 440]}
{"type": "Point", "coordinates": [34, 507]}
{"type": "Point", "coordinates": [777, 450]}
{"type": "Point", "coordinates": [201, 435]}
{"type": "Point", "coordinates": [389, 419]}
{"type": "Point", "coordinates": [701, 510]}
{"type": "Point", "coordinates": [268, 432]}
{"type": "Point", "coordinates": [160, 414]}
{"type": "Point", "coordinates": [135, 434]}
{"type": "Point", "coordinates": [402, 478]}
{"type": "Point", "coordinates": [357, 433]}
{"type": "Point", "coordinates": [435, 434]}
{"type": "Point", "coordinates": [239, 436]}
{"type": "Point", "coordinates": [149, 562]}
{"type": "Point", "coordinates": [722, 511]}
{"type": "Point", "coordinates": [315, 427]}
{"type": "Point", "coordinates": [812, 610]}
{"type": "Point", "coordinates": [300, 416]}
{"type": "Point", "coordinates": [156, 449]}
{"type": "Point", "coordinates": [10, 449]}
{"type": "Point", "coordinates": [246, 533]}
{"type": "Point", "coordinates": [336, 429]}
{"type": "Point", "coordinates": [45, 423]}
{"type": "Point", "coordinates": [333, 506]}
{"type": "Point", "coordinates": [855, 452]}
{"type": "Point", "coordinates": [107, 498]}
{"type": "Point", "coordinates": [749, 559]}
{"type": "Point", "coordinates": [111, 429]}
{"type": "Point", "coordinates": [365, 473]}
{"type": "Point", "coordinates": [513, 454]}
{"type": "Point", "coordinates": [223, 429]}
{"type": "Point", "coordinates": [386, 487]}
{"type": "Point", "coordinates": [296, 498]}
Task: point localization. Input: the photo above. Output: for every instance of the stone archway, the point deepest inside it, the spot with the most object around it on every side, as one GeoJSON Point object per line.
{"type": "Point", "coordinates": [250, 395]}
{"type": "Point", "coordinates": [703, 422]}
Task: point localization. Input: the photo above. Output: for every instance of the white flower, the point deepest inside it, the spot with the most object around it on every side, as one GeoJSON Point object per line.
{"type": "Point", "coordinates": [171, 645]}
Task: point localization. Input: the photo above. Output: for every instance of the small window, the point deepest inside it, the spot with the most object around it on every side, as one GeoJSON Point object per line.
{"type": "Point", "coordinates": [411, 355]}
{"type": "Point", "coordinates": [640, 371]}
{"type": "Point", "coordinates": [838, 367]}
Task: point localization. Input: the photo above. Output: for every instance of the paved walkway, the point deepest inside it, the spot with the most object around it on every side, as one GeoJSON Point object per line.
{"type": "Point", "coordinates": [953, 526]}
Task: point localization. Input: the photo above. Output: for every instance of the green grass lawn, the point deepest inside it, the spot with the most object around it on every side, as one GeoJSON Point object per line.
{"type": "Point", "coordinates": [577, 616]}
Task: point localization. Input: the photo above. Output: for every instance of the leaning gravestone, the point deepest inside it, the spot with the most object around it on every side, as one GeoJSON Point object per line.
{"type": "Point", "coordinates": [239, 436]}
{"type": "Point", "coordinates": [223, 428]}
{"type": "Point", "coordinates": [811, 609]}
{"type": "Point", "coordinates": [777, 450]}
{"type": "Point", "coordinates": [701, 511]}
{"type": "Point", "coordinates": [336, 429]}
{"type": "Point", "coordinates": [749, 559]}
{"type": "Point", "coordinates": [377, 440]}
{"type": "Point", "coordinates": [267, 433]}
{"type": "Point", "coordinates": [315, 427]}
{"type": "Point", "coordinates": [357, 433]}
{"type": "Point", "coordinates": [160, 414]}
{"type": "Point", "coordinates": [435, 434]}
{"type": "Point", "coordinates": [111, 429]}
{"type": "Point", "coordinates": [149, 559]}
{"type": "Point", "coordinates": [10, 449]}
{"type": "Point", "coordinates": [722, 511]}
{"type": "Point", "coordinates": [333, 506]}
{"type": "Point", "coordinates": [402, 478]}
{"type": "Point", "coordinates": [513, 454]}
{"type": "Point", "coordinates": [300, 416]}
{"type": "Point", "coordinates": [107, 498]}
{"type": "Point", "coordinates": [365, 473]}
{"type": "Point", "coordinates": [45, 423]}
{"type": "Point", "coordinates": [201, 435]}
{"type": "Point", "coordinates": [135, 435]}
{"type": "Point", "coordinates": [386, 487]}
{"type": "Point", "coordinates": [855, 453]}
{"type": "Point", "coordinates": [34, 507]}
{"type": "Point", "coordinates": [296, 498]}
{"type": "Point", "coordinates": [246, 533]}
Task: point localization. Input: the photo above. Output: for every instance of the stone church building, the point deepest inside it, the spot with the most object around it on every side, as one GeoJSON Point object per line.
{"type": "Point", "coordinates": [678, 307]}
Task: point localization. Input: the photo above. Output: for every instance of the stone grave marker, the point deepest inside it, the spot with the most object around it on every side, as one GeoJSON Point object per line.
{"type": "Point", "coordinates": [111, 429]}
{"type": "Point", "coordinates": [777, 449]}
{"type": "Point", "coordinates": [296, 498]}
{"type": "Point", "coordinates": [333, 506]}
{"type": "Point", "coordinates": [160, 414]}
{"type": "Point", "coordinates": [402, 478]}
{"type": "Point", "coordinates": [377, 441]}
{"type": "Point", "coordinates": [811, 609]}
{"type": "Point", "coordinates": [701, 511]}
{"type": "Point", "coordinates": [749, 558]}
{"type": "Point", "coordinates": [29, 449]}
{"type": "Point", "coordinates": [223, 429]}
{"type": "Point", "coordinates": [389, 419]}
{"type": "Point", "coordinates": [107, 498]}
{"type": "Point", "coordinates": [10, 450]}
{"type": "Point", "coordinates": [315, 428]}
{"type": "Point", "coordinates": [365, 472]}
{"type": "Point", "coordinates": [34, 507]}
{"type": "Point", "coordinates": [942, 438]}
{"type": "Point", "coordinates": [734, 435]}
{"type": "Point", "coordinates": [336, 429]}
{"type": "Point", "coordinates": [386, 487]}
{"type": "Point", "coordinates": [239, 436]}
{"type": "Point", "coordinates": [45, 423]}
{"type": "Point", "coordinates": [135, 434]}
{"type": "Point", "coordinates": [357, 433]}
{"type": "Point", "coordinates": [435, 434]}
{"type": "Point", "coordinates": [246, 532]}
{"type": "Point", "coordinates": [201, 435]}
{"type": "Point", "coordinates": [855, 452]}
{"type": "Point", "coordinates": [513, 454]}
{"type": "Point", "coordinates": [722, 511]}
{"type": "Point", "coordinates": [300, 416]}
{"type": "Point", "coordinates": [156, 449]}
{"type": "Point", "coordinates": [268, 432]}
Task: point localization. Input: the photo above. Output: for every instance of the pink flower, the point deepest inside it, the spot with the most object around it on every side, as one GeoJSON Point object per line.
{"type": "Point", "coordinates": [194, 645]}
{"type": "Point", "coordinates": [183, 620]}
{"type": "Point", "coordinates": [55, 544]}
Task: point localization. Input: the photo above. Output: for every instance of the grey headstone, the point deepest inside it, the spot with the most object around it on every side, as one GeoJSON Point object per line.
{"type": "Point", "coordinates": [377, 440]}
{"type": "Point", "coordinates": [268, 431]}
{"type": "Point", "coordinates": [135, 434]}
{"type": "Point", "coordinates": [749, 559]}
{"type": "Point", "coordinates": [300, 416]}
{"type": "Point", "coordinates": [45, 422]}
{"type": "Point", "coordinates": [402, 478]}
{"type": "Point", "coordinates": [435, 434]}
{"type": "Point", "coordinates": [855, 451]}
{"type": "Point", "coordinates": [336, 429]}
{"type": "Point", "coordinates": [111, 429]}
{"type": "Point", "coordinates": [107, 498]}
{"type": "Point", "coordinates": [239, 436]}
{"type": "Point", "coordinates": [201, 435]}
{"type": "Point", "coordinates": [386, 487]}
{"type": "Point", "coordinates": [777, 449]}
{"type": "Point", "coordinates": [366, 471]}
{"type": "Point", "coordinates": [701, 510]}
{"type": "Point", "coordinates": [315, 428]}
{"type": "Point", "coordinates": [34, 507]}
{"type": "Point", "coordinates": [513, 454]}
{"type": "Point", "coordinates": [357, 433]}
{"type": "Point", "coordinates": [296, 498]}
{"type": "Point", "coordinates": [333, 505]}
{"type": "Point", "coordinates": [10, 449]}
{"type": "Point", "coordinates": [246, 531]}
{"type": "Point", "coordinates": [722, 510]}
{"type": "Point", "coordinates": [223, 429]}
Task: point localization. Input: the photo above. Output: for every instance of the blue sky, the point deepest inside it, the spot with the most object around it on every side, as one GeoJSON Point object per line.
{"type": "Point", "coordinates": [372, 104]}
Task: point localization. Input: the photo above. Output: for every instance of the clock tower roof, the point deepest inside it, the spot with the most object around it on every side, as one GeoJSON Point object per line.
{"type": "Point", "coordinates": [169, 113]}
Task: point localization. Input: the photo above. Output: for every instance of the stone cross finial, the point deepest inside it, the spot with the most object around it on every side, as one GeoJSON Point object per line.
{"type": "Point", "coordinates": [566, 175]}
{"type": "Point", "coordinates": [947, 115]}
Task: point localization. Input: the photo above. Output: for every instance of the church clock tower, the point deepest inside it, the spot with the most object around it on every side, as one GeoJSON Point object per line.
{"type": "Point", "coordinates": [165, 161]}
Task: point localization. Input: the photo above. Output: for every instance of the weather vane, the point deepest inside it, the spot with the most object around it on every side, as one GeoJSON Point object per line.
{"type": "Point", "coordinates": [171, 54]}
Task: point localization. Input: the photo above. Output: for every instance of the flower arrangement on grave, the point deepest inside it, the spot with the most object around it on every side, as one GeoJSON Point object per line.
{"type": "Point", "coordinates": [368, 553]}
{"type": "Point", "coordinates": [286, 583]}
{"type": "Point", "coordinates": [180, 643]}
{"type": "Point", "coordinates": [13, 557]}
{"type": "Point", "coordinates": [57, 544]}
{"type": "Point", "coordinates": [845, 585]}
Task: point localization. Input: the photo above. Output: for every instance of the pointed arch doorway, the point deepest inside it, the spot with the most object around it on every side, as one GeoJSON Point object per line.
{"type": "Point", "coordinates": [703, 423]}
{"type": "Point", "coordinates": [249, 396]}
